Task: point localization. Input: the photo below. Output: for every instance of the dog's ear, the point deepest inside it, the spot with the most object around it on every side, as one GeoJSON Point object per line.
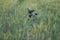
{"type": "Point", "coordinates": [30, 16]}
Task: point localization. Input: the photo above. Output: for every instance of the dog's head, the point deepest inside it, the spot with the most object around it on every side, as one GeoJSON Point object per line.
{"type": "Point", "coordinates": [30, 11]}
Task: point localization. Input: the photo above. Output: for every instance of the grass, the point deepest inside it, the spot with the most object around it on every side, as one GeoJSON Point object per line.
{"type": "Point", "coordinates": [14, 24]}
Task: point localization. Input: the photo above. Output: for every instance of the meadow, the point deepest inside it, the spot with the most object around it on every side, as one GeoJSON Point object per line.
{"type": "Point", "coordinates": [14, 23]}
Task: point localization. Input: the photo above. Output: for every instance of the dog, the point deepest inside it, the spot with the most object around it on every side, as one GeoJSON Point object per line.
{"type": "Point", "coordinates": [32, 13]}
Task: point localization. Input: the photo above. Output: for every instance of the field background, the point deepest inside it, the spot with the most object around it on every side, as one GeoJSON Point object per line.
{"type": "Point", "coordinates": [14, 24]}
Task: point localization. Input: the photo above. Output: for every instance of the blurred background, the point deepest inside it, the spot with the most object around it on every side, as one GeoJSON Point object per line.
{"type": "Point", "coordinates": [14, 24]}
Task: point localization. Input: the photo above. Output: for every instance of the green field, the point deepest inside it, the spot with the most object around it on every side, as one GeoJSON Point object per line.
{"type": "Point", "coordinates": [14, 23]}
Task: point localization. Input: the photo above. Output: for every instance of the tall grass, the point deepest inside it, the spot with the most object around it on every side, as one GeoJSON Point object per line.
{"type": "Point", "coordinates": [14, 23]}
